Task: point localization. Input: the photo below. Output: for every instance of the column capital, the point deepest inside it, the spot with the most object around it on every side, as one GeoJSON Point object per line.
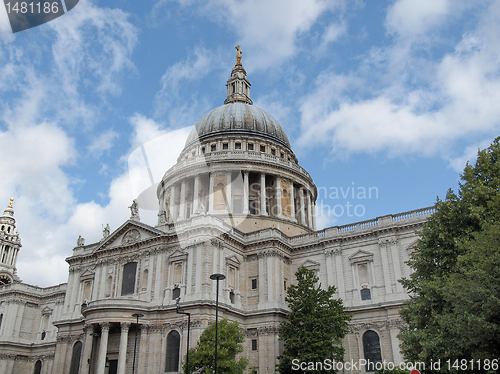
{"type": "Point", "coordinates": [105, 326]}
{"type": "Point", "coordinates": [125, 326]}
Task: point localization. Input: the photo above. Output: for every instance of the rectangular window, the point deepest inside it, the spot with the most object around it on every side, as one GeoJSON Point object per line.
{"type": "Point", "coordinates": [237, 145]}
{"type": "Point", "coordinates": [254, 344]}
{"type": "Point", "coordinates": [250, 147]}
{"type": "Point", "coordinates": [252, 206]}
{"type": "Point", "coordinates": [128, 283]}
{"type": "Point", "coordinates": [225, 146]}
{"type": "Point", "coordinates": [231, 297]}
{"type": "Point", "coordinates": [282, 155]}
{"type": "Point", "coordinates": [284, 285]}
{"type": "Point", "coordinates": [213, 147]}
{"type": "Point", "coordinates": [203, 150]}
{"type": "Point", "coordinates": [262, 148]}
{"type": "Point", "coordinates": [273, 152]}
{"type": "Point", "coordinates": [254, 284]}
{"type": "Point", "coordinates": [366, 294]}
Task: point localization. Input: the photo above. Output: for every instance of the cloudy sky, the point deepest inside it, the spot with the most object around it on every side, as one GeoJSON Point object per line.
{"type": "Point", "coordinates": [392, 95]}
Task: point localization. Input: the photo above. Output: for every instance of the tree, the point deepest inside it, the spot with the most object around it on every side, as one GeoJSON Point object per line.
{"type": "Point", "coordinates": [229, 344]}
{"type": "Point", "coordinates": [455, 287]}
{"type": "Point", "coordinates": [315, 327]}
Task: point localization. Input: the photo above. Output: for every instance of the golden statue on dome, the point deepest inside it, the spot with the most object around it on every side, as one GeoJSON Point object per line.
{"type": "Point", "coordinates": [11, 201]}
{"type": "Point", "coordinates": [238, 56]}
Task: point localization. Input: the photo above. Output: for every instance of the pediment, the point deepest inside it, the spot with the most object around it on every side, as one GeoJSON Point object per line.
{"type": "Point", "coordinates": [233, 260]}
{"type": "Point", "coordinates": [46, 311]}
{"type": "Point", "coordinates": [361, 256]}
{"type": "Point", "coordinates": [128, 233]}
{"type": "Point", "coordinates": [87, 274]}
{"type": "Point", "coordinates": [177, 255]}
{"type": "Point", "coordinates": [310, 264]}
{"type": "Point", "coordinates": [413, 246]}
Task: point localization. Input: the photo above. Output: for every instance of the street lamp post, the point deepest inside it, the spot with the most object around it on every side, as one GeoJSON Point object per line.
{"type": "Point", "coordinates": [136, 315]}
{"type": "Point", "coordinates": [217, 277]}
{"type": "Point", "coordinates": [93, 335]}
{"type": "Point", "coordinates": [189, 324]}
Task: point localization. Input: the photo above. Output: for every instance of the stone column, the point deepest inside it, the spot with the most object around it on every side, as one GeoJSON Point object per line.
{"type": "Point", "coordinates": [211, 194]}
{"type": "Point", "coordinates": [171, 205]}
{"type": "Point", "coordinates": [292, 202]}
{"type": "Point", "coordinates": [263, 211]}
{"type": "Point", "coordinates": [229, 198]}
{"type": "Point", "coordinates": [309, 210]}
{"type": "Point", "coordinates": [245, 192]}
{"type": "Point", "coordinates": [195, 193]}
{"type": "Point", "coordinates": [87, 348]}
{"type": "Point", "coordinates": [182, 203]}
{"type": "Point", "coordinates": [278, 197]}
{"type": "Point", "coordinates": [385, 266]}
{"type": "Point", "coordinates": [122, 350]}
{"type": "Point", "coordinates": [313, 205]}
{"type": "Point", "coordinates": [302, 206]}
{"type": "Point", "coordinates": [103, 348]}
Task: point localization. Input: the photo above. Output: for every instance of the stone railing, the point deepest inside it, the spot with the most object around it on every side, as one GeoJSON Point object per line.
{"type": "Point", "coordinates": [234, 156]}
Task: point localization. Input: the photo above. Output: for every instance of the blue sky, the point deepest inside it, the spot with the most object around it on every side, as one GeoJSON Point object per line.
{"type": "Point", "coordinates": [393, 95]}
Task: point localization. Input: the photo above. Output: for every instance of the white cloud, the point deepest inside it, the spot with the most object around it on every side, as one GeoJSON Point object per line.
{"type": "Point", "coordinates": [91, 47]}
{"type": "Point", "coordinates": [408, 17]}
{"type": "Point", "coordinates": [457, 100]}
{"type": "Point", "coordinates": [270, 28]}
{"type": "Point", "coordinates": [102, 143]}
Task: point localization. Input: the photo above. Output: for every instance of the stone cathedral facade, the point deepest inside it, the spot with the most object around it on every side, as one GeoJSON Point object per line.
{"type": "Point", "coordinates": [238, 203]}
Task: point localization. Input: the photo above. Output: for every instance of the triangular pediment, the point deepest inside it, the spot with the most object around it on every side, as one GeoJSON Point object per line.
{"type": "Point", "coordinates": [87, 274]}
{"type": "Point", "coordinates": [177, 255]}
{"type": "Point", "coordinates": [360, 256]}
{"type": "Point", "coordinates": [128, 233]}
{"type": "Point", "coordinates": [310, 264]}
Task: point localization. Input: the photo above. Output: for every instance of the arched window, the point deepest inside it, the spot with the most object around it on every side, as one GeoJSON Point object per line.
{"type": "Point", "coordinates": [173, 346]}
{"type": "Point", "coordinates": [145, 275]}
{"type": "Point", "coordinates": [176, 293]}
{"type": "Point", "coordinates": [38, 367]}
{"type": "Point", "coordinates": [128, 284]}
{"type": "Point", "coordinates": [371, 349]}
{"type": "Point", "coordinates": [75, 358]}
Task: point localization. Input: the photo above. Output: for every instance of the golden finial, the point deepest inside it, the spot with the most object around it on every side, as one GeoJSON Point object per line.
{"type": "Point", "coordinates": [238, 56]}
{"type": "Point", "coordinates": [11, 201]}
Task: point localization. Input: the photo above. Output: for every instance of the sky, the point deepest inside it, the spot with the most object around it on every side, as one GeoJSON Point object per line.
{"type": "Point", "coordinates": [391, 97]}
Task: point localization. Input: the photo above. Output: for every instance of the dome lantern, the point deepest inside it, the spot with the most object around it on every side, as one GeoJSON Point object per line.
{"type": "Point", "coordinates": [238, 86]}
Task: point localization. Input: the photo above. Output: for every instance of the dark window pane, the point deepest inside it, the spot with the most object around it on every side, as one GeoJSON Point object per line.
{"type": "Point", "coordinates": [254, 284]}
{"type": "Point", "coordinates": [252, 206]}
{"type": "Point", "coordinates": [231, 297]}
{"type": "Point", "coordinates": [366, 294]}
{"type": "Point", "coordinates": [176, 293]}
{"type": "Point", "coordinates": [250, 147]}
{"type": "Point", "coordinates": [128, 284]}
{"type": "Point", "coordinates": [75, 358]}
{"type": "Point", "coordinates": [237, 145]}
{"type": "Point", "coordinates": [371, 349]}
{"type": "Point", "coordinates": [38, 367]}
{"type": "Point", "coordinates": [254, 344]}
{"type": "Point", "coordinates": [173, 345]}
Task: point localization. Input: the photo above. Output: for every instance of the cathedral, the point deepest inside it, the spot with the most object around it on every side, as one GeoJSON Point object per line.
{"type": "Point", "coordinates": [236, 203]}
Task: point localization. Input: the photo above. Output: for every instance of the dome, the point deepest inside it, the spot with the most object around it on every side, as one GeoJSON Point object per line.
{"type": "Point", "coordinates": [238, 118]}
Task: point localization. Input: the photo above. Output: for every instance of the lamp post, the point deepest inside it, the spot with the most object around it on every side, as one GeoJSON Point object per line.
{"type": "Point", "coordinates": [136, 315]}
{"type": "Point", "coordinates": [217, 277]}
{"type": "Point", "coordinates": [189, 324]}
{"type": "Point", "coordinates": [93, 335]}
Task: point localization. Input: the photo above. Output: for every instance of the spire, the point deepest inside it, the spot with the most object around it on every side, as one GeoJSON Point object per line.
{"type": "Point", "coordinates": [238, 86]}
{"type": "Point", "coordinates": [9, 245]}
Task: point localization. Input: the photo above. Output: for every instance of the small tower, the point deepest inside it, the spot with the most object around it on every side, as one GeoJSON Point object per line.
{"type": "Point", "coordinates": [238, 86]}
{"type": "Point", "coordinates": [9, 246]}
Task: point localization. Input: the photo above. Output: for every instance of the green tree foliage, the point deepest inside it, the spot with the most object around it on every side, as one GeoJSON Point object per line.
{"type": "Point", "coordinates": [455, 287]}
{"type": "Point", "coordinates": [315, 327]}
{"type": "Point", "coordinates": [229, 344]}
